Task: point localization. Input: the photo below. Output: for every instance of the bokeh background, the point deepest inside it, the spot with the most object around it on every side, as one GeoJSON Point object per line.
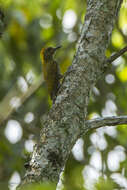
{"type": "Point", "coordinates": [97, 160]}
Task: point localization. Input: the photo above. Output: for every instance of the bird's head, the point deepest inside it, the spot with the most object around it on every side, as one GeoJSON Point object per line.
{"type": "Point", "coordinates": [47, 53]}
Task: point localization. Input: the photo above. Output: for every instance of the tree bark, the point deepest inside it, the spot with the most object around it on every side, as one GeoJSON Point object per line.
{"type": "Point", "coordinates": [104, 121]}
{"type": "Point", "coordinates": [63, 125]}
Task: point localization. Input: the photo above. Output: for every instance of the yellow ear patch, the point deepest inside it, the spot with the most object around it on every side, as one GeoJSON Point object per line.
{"type": "Point", "coordinates": [42, 54]}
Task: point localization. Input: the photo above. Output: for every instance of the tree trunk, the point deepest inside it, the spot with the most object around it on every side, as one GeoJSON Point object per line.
{"type": "Point", "coordinates": [62, 126]}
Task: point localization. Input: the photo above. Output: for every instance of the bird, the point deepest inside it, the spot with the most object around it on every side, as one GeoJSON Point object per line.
{"type": "Point", "coordinates": [51, 71]}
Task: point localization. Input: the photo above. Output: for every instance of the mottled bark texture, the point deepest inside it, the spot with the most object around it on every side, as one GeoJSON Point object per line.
{"type": "Point", "coordinates": [63, 124]}
{"type": "Point", "coordinates": [104, 121]}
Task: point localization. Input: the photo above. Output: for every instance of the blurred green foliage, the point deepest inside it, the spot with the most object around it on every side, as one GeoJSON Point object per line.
{"type": "Point", "coordinates": [29, 26]}
{"type": "Point", "coordinates": [44, 186]}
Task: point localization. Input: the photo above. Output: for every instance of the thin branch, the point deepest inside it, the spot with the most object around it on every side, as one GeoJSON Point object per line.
{"type": "Point", "coordinates": [105, 121]}
{"type": "Point", "coordinates": [116, 55]}
{"type": "Point", "coordinates": [6, 109]}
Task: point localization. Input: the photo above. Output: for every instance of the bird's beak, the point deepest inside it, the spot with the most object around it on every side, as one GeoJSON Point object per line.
{"type": "Point", "coordinates": [56, 48]}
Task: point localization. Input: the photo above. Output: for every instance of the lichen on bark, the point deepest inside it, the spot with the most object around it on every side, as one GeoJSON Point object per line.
{"type": "Point", "coordinates": [63, 124]}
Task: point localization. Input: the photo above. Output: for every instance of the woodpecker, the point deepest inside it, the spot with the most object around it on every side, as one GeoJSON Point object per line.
{"type": "Point", "coordinates": [51, 71]}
